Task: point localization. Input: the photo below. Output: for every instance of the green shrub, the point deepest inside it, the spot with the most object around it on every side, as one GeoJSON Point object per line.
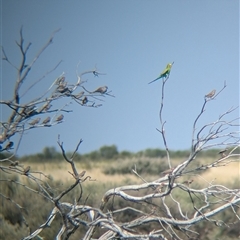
{"type": "Point", "coordinates": [143, 166]}
{"type": "Point", "coordinates": [108, 152]}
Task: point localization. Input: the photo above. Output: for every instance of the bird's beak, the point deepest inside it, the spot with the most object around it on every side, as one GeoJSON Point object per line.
{"type": "Point", "coordinates": [172, 63]}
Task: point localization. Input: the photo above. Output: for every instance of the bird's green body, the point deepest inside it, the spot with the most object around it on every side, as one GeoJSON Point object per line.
{"type": "Point", "coordinates": [165, 73]}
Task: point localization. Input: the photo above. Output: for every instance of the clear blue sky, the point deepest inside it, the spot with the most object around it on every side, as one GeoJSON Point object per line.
{"type": "Point", "coordinates": [131, 41]}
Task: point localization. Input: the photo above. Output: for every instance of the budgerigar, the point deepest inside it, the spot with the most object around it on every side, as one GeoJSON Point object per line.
{"type": "Point", "coordinates": [165, 73]}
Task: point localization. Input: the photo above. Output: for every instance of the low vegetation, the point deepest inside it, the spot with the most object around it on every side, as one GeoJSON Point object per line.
{"type": "Point", "coordinates": [105, 174]}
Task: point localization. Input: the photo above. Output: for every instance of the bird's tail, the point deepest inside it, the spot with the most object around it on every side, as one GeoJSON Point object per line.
{"type": "Point", "coordinates": [153, 80]}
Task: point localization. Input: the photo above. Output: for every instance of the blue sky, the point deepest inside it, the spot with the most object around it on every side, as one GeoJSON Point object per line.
{"type": "Point", "coordinates": [130, 41]}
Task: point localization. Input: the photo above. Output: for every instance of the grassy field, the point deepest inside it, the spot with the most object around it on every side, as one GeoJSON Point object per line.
{"type": "Point", "coordinates": [224, 174]}
{"type": "Point", "coordinates": [59, 171]}
{"type": "Point", "coordinates": [93, 191]}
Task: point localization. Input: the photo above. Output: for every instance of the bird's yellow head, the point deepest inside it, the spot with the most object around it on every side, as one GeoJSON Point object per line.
{"type": "Point", "coordinates": [170, 65]}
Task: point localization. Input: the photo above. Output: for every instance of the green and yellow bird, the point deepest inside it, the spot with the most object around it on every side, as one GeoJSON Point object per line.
{"type": "Point", "coordinates": [165, 73]}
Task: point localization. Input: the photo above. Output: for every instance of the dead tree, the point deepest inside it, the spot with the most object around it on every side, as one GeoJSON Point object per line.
{"type": "Point", "coordinates": [154, 201]}
{"type": "Point", "coordinates": [41, 113]}
{"type": "Point", "coordinates": [157, 200]}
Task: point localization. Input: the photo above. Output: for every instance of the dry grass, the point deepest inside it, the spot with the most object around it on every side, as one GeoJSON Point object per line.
{"type": "Point", "coordinates": [224, 174]}
{"type": "Point", "coordinates": [59, 171]}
